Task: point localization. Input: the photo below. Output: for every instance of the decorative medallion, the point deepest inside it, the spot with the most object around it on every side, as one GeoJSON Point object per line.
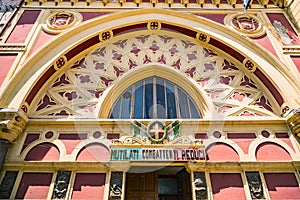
{"type": "Point", "coordinates": [60, 62]}
{"type": "Point", "coordinates": [249, 65]}
{"type": "Point", "coordinates": [154, 25]}
{"type": "Point", "coordinates": [156, 131]}
{"type": "Point", "coordinates": [247, 24]}
{"type": "Point", "coordinates": [61, 20]}
{"type": "Point", "coordinates": [202, 37]}
{"type": "Point", "coordinates": [105, 35]}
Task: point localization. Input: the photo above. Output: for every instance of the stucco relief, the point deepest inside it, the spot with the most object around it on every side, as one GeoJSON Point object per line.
{"type": "Point", "coordinates": [246, 24]}
{"type": "Point", "coordinates": [59, 21]}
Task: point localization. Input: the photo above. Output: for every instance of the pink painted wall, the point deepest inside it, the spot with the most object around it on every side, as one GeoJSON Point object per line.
{"type": "Point", "coordinates": [265, 42]}
{"type": "Point", "coordinates": [227, 186]}
{"type": "Point", "coordinates": [23, 27]}
{"type": "Point", "coordinates": [243, 140]}
{"type": "Point", "coordinates": [89, 186]}
{"type": "Point", "coordinates": [285, 138]}
{"type": "Point", "coordinates": [221, 152]}
{"type": "Point", "coordinates": [71, 141]}
{"type": "Point", "coordinates": [282, 186]}
{"type": "Point", "coordinates": [6, 63]}
{"type": "Point", "coordinates": [41, 39]}
{"type": "Point", "coordinates": [271, 152]}
{"type": "Point", "coordinates": [296, 60]}
{"type": "Point", "coordinates": [34, 186]}
{"type": "Point", "coordinates": [43, 152]}
{"type": "Point", "coordinates": [94, 152]}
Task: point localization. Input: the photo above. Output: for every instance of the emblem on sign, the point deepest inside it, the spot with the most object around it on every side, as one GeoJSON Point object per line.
{"type": "Point", "coordinates": [157, 131]}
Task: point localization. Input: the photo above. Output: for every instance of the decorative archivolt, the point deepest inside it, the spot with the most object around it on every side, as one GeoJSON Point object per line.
{"type": "Point", "coordinates": [78, 88]}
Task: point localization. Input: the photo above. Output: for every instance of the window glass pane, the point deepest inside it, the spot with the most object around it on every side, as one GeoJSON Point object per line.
{"type": "Point", "coordinates": [148, 99]}
{"type": "Point", "coordinates": [171, 104]}
{"type": "Point", "coordinates": [184, 110]}
{"type": "Point", "coordinates": [160, 96]}
{"type": "Point", "coordinates": [116, 110]}
{"type": "Point", "coordinates": [126, 104]}
{"type": "Point", "coordinates": [152, 98]}
{"type": "Point", "coordinates": [194, 111]}
{"type": "Point", "coordinates": [138, 101]}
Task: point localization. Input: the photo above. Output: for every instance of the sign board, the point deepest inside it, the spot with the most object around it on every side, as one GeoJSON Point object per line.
{"type": "Point", "coordinates": [157, 154]}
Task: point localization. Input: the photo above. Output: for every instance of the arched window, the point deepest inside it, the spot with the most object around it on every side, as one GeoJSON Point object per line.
{"type": "Point", "coordinates": [154, 98]}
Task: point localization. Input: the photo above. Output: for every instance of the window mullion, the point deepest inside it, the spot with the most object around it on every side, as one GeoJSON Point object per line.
{"type": "Point", "coordinates": [132, 102]}
{"type": "Point", "coordinates": [189, 107]}
{"type": "Point", "coordinates": [144, 99]}
{"type": "Point", "coordinates": [166, 102]}
{"type": "Point", "coordinates": [121, 105]}
{"type": "Point", "coordinates": [154, 99]}
{"type": "Point", "coordinates": [177, 102]}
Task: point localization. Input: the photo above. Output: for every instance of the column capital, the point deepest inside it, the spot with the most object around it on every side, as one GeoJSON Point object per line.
{"type": "Point", "coordinates": [293, 120]}
{"type": "Point", "coordinates": [12, 123]}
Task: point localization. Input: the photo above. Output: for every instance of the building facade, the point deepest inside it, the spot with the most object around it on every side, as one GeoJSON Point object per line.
{"type": "Point", "coordinates": [150, 100]}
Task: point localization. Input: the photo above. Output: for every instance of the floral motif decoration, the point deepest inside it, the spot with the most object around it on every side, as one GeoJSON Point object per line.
{"type": "Point", "coordinates": [78, 89]}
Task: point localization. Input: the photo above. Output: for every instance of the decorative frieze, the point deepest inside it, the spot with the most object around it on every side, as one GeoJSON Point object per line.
{"type": "Point", "coordinates": [107, 3]}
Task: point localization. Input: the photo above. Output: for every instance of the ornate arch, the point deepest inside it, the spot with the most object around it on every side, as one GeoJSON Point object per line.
{"type": "Point", "coordinates": [212, 37]}
{"type": "Point", "coordinates": [159, 69]}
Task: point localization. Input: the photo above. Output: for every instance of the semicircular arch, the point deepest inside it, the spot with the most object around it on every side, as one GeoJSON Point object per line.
{"type": "Point", "coordinates": [255, 145]}
{"type": "Point", "coordinates": [189, 85]}
{"type": "Point", "coordinates": [40, 68]}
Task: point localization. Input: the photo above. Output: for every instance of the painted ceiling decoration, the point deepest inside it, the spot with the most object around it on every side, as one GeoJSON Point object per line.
{"type": "Point", "coordinates": [227, 82]}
